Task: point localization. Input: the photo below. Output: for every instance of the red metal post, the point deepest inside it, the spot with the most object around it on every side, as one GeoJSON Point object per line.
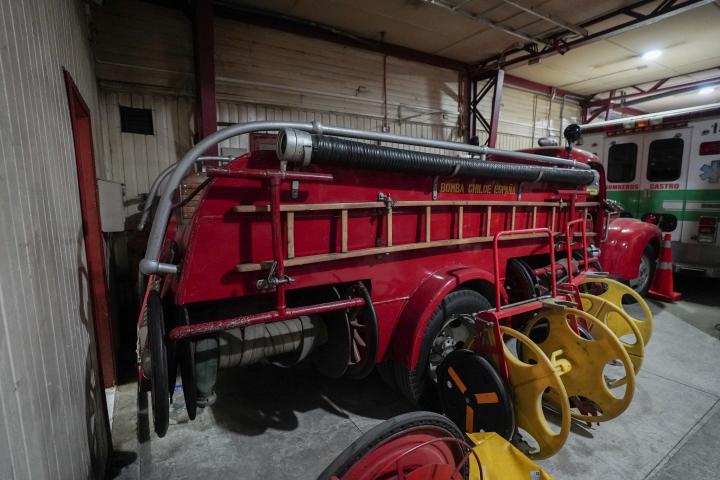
{"type": "Point", "coordinates": [494, 82]}
{"type": "Point", "coordinates": [204, 46]}
{"type": "Point", "coordinates": [496, 104]}
{"type": "Point", "coordinates": [92, 233]}
{"type": "Point", "coordinates": [471, 109]}
{"type": "Point", "coordinates": [569, 241]}
{"type": "Point", "coordinates": [277, 244]}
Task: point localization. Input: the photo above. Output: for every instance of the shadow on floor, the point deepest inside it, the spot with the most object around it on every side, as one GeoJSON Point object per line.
{"type": "Point", "coordinates": [253, 399]}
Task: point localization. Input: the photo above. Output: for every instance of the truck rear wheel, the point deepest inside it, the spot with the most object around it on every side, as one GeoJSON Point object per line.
{"type": "Point", "coordinates": [446, 331]}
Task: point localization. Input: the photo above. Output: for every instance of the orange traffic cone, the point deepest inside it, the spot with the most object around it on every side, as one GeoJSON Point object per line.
{"type": "Point", "coordinates": [662, 286]}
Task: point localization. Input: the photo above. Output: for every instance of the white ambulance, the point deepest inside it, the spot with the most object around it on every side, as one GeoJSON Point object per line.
{"type": "Point", "coordinates": [665, 168]}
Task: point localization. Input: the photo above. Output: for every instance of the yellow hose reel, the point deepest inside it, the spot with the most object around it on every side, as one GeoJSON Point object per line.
{"type": "Point", "coordinates": [619, 322]}
{"type": "Point", "coordinates": [529, 382]}
{"type": "Point", "coordinates": [613, 292]}
{"type": "Point", "coordinates": [494, 458]}
{"type": "Point", "coordinates": [551, 330]}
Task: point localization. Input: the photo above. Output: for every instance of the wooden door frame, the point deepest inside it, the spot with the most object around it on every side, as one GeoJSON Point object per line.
{"type": "Point", "coordinates": [92, 233]}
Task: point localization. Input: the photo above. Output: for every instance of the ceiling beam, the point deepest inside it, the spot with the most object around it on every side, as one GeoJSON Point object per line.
{"type": "Point", "coordinates": [675, 90]}
{"type": "Point", "coordinates": [562, 43]}
{"type": "Point", "coordinates": [323, 32]}
{"type": "Point", "coordinates": [657, 88]}
{"type": "Point", "coordinates": [485, 21]}
{"type": "Point", "coordinates": [548, 18]}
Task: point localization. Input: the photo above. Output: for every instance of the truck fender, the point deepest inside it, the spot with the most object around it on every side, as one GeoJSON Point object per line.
{"type": "Point", "coordinates": [626, 241]}
{"type": "Point", "coordinates": [408, 334]}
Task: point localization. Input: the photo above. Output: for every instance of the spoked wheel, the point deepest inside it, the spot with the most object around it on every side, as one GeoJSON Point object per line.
{"type": "Point", "coordinates": [333, 357]}
{"type": "Point", "coordinates": [363, 335]}
{"type": "Point", "coordinates": [412, 445]}
{"type": "Point", "coordinates": [159, 365]}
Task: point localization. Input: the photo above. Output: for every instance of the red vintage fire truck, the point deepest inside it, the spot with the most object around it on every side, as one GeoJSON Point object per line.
{"type": "Point", "coordinates": [322, 245]}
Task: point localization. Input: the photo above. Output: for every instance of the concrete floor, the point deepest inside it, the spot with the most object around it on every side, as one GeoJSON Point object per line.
{"type": "Point", "coordinates": [289, 424]}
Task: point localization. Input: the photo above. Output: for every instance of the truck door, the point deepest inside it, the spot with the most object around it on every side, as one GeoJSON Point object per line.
{"type": "Point", "coordinates": [623, 171]}
{"type": "Point", "coordinates": [664, 175]}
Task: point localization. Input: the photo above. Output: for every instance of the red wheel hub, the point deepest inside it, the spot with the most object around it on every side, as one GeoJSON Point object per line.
{"type": "Point", "coordinates": [422, 453]}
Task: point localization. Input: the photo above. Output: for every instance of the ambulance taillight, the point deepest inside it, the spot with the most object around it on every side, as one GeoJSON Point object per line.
{"type": "Point", "coordinates": [710, 148]}
{"type": "Point", "coordinates": [707, 229]}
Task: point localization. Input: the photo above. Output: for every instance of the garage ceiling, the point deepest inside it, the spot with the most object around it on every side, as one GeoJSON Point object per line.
{"type": "Point", "coordinates": [473, 31]}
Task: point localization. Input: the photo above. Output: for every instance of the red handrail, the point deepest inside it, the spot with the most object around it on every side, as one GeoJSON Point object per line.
{"type": "Point", "coordinates": [496, 258]}
{"type": "Point", "coordinates": [568, 240]}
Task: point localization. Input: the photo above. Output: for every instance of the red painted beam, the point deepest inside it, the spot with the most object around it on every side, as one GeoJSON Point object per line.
{"type": "Point", "coordinates": [652, 92]}
{"type": "Point", "coordinates": [96, 276]}
{"type": "Point", "coordinates": [204, 46]}
{"type": "Point", "coordinates": [496, 105]}
{"type": "Point", "coordinates": [537, 87]}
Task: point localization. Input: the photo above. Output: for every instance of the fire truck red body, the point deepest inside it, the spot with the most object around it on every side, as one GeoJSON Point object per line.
{"type": "Point", "coordinates": [266, 244]}
{"type": "Point", "coordinates": [432, 250]}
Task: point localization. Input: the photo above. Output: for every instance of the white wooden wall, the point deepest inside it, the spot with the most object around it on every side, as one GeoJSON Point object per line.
{"type": "Point", "coordinates": [261, 65]}
{"type": "Point", "coordinates": [51, 415]}
{"type": "Point", "coordinates": [136, 160]}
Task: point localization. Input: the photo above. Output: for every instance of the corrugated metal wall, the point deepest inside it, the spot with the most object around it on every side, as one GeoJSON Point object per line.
{"type": "Point", "coordinates": [236, 112]}
{"type": "Point", "coordinates": [526, 116]}
{"type": "Point", "coordinates": [144, 57]}
{"type": "Point", "coordinates": [52, 422]}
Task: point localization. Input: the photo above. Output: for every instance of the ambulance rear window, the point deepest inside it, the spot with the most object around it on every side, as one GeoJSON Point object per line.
{"type": "Point", "coordinates": [665, 159]}
{"type": "Point", "coordinates": [622, 161]}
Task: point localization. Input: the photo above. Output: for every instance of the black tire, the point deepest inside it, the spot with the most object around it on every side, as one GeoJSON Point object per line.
{"type": "Point", "coordinates": [378, 434]}
{"type": "Point", "coordinates": [414, 383]}
{"type": "Point", "coordinates": [158, 359]}
{"type": "Point", "coordinates": [649, 257]}
{"type": "Point", "coordinates": [386, 371]}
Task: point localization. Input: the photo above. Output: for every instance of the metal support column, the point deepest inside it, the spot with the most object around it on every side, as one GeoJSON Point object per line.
{"type": "Point", "coordinates": [491, 81]}
{"type": "Point", "coordinates": [204, 47]}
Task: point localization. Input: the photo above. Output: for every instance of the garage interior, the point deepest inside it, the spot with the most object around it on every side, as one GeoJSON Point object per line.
{"type": "Point", "coordinates": [101, 97]}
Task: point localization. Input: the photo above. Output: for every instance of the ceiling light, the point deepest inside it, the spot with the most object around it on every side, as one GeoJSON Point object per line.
{"type": "Point", "coordinates": [706, 90]}
{"type": "Point", "coordinates": [652, 55]}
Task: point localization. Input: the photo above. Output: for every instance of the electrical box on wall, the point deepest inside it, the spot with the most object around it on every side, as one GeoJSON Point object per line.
{"type": "Point", "coordinates": [112, 211]}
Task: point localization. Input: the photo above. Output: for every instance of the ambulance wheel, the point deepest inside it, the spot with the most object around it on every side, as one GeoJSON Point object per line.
{"type": "Point", "coordinates": [159, 366]}
{"type": "Point", "coordinates": [448, 330]}
{"type": "Point", "coordinates": [646, 271]}
{"type": "Point", "coordinates": [420, 441]}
